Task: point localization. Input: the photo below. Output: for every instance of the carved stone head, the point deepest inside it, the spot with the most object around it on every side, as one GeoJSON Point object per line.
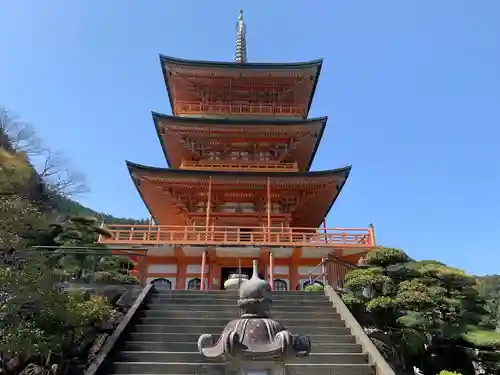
{"type": "Point", "coordinates": [255, 296]}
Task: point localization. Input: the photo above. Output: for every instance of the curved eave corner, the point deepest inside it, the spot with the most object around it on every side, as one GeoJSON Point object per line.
{"type": "Point", "coordinates": [136, 182]}
{"type": "Point", "coordinates": [156, 117]}
{"type": "Point", "coordinates": [339, 190]}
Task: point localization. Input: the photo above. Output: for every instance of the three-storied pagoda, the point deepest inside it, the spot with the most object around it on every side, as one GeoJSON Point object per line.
{"type": "Point", "coordinates": [239, 146]}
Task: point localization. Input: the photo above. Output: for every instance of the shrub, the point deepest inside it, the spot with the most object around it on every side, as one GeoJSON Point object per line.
{"type": "Point", "coordinates": [314, 287]}
{"type": "Point", "coordinates": [483, 339]}
{"type": "Point", "coordinates": [444, 372]}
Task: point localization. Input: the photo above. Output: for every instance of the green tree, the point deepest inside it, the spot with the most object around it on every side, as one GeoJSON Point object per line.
{"type": "Point", "coordinates": [427, 309]}
{"type": "Point", "coordinates": [38, 324]}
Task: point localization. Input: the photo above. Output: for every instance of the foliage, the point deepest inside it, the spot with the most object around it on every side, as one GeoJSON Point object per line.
{"type": "Point", "coordinates": [429, 309]}
{"type": "Point", "coordinates": [489, 289]}
{"type": "Point", "coordinates": [314, 287]}
{"type": "Point", "coordinates": [444, 372]}
{"type": "Point", "coordinates": [36, 321]}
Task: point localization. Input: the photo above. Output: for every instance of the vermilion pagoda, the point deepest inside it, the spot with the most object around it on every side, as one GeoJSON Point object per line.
{"type": "Point", "coordinates": [239, 147]}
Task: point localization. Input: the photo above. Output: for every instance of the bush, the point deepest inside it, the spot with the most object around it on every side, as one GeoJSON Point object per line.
{"type": "Point", "coordinates": [444, 372]}
{"type": "Point", "coordinates": [386, 256]}
{"type": "Point", "coordinates": [314, 287]}
{"type": "Point", "coordinates": [483, 339]}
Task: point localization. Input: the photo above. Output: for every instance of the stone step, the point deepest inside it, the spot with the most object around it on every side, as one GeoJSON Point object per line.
{"type": "Point", "coordinates": [195, 357]}
{"type": "Point", "coordinates": [231, 293]}
{"type": "Point", "coordinates": [199, 320]}
{"type": "Point", "coordinates": [148, 346]}
{"type": "Point", "coordinates": [302, 309]}
{"type": "Point", "coordinates": [232, 301]}
{"type": "Point", "coordinates": [175, 312]}
{"type": "Point", "coordinates": [193, 337]}
{"type": "Point", "coordinates": [165, 368]}
{"type": "Point", "coordinates": [174, 328]}
{"type": "Point", "coordinates": [277, 297]}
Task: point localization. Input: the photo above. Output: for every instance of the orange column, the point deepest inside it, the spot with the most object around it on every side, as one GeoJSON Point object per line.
{"type": "Point", "coordinates": [180, 282]}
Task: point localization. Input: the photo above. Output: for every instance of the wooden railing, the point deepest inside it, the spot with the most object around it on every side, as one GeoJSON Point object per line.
{"type": "Point", "coordinates": [332, 271]}
{"type": "Point", "coordinates": [238, 109]}
{"type": "Point", "coordinates": [239, 165]}
{"type": "Point", "coordinates": [199, 235]}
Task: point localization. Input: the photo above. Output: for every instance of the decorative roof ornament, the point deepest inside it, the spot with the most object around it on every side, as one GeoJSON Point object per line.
{"type": "Point", "coordinates": [255, 336]}
{"type": "Point", "coordinates": [241, 40]}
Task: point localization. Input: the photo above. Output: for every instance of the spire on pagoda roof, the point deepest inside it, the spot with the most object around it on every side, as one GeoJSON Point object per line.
{"type": "Point", "coordinates": [241, 42]}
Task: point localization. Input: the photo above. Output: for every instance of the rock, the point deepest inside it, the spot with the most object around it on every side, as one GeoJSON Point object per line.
{"type": "Point", "coordinates": [127, 299]}
{"type": "Point", "coordinates": [34, 369]}
{"type": "Point", "coordinates": [113, 321]}
{"type": "Point", "coordinates": [96, 346]}
{"type": "Point", "coordinates": [13, 365]}
{"type": "Point", "coordinates": [387, 348]}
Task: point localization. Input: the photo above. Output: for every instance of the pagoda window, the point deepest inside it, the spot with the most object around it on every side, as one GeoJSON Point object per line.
{"type": "Point", "coordinates": [280, 285]}
{"type": "Point", "coordinates": [162, 283]}
{"type": "Point", "coordinates": [194, 284]}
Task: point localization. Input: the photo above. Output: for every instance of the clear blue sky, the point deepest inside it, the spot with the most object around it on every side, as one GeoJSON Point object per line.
{"type": "Point", "coordinates": [411, 88]}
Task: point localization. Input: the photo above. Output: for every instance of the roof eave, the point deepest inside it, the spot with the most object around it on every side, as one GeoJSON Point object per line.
{"type": "Point", "coordinates": [233, 65]}
{"type": "Point", "coordinates": [236, 121]}
{"type": "Point", "coordinates": [160, 138]}
{"type": "Point", "coordinates": [159, 170]}
{"type": "Point", "coordinates": [315, 84]}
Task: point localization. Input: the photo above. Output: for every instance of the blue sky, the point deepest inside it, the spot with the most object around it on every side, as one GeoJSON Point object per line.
{"type": "Point", "coordinates": [411, 88]}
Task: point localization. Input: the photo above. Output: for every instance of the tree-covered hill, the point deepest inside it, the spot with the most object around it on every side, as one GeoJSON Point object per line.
{"type": "Point", "coordinates": [69, 207]}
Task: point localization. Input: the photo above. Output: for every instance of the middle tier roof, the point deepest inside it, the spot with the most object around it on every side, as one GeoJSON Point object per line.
{"type": "Point", "coordinates": [188, 139]}
{"type": "Point", "coordinates": [169, 192]}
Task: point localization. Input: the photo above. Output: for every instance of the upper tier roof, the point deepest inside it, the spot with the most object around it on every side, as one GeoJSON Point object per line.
{"type": "Point", "coordinates": [197, 72]}
{"type": "Point", "coordinates": [317, 191]}
{"type": "Point", "coordinates": [173, 131]}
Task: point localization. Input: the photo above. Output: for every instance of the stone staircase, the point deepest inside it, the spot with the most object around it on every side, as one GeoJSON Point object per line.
{"type": "Point", "coordinates": [164, 339]}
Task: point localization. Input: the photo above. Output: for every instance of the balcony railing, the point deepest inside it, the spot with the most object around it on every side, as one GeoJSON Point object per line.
{"type": "Point", "coordinates": [238, 236]}
{"type": "Point", "coordinates": [238, 109]}
{"type": "Point", "coordinates": [238, 166]}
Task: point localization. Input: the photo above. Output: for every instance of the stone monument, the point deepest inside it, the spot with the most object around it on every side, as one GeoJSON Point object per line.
{"type": "Point", "coordinates": [255, 342]}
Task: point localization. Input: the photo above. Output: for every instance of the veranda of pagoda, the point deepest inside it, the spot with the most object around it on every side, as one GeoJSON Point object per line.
{"type": "Point", "coordinates": [239, 147]}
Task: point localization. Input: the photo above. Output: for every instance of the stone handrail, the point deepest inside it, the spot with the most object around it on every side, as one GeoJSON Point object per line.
{"type": "Point", "coordinates": [112, 340]}
{"type": "Point", "coordinates": [381, 365]}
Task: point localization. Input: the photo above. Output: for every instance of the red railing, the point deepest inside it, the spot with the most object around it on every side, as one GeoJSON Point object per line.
{"type": "Point", "coordinates": [236, 109]}
{"type": "Point", "coordinates": [238, 166]}
{"type": "Point", "coordinates": [228, 235]}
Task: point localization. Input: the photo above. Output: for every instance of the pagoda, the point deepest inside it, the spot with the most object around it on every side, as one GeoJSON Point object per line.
{"type": "Point", "coordinates": [239, 147]}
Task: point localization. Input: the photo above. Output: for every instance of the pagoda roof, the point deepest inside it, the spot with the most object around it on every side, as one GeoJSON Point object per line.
{"type": "Point", "coordinates": [210, 123]}
{"type": "Point", "coordinates": [237, 67]}
{"type": "Point", "coordinates": [325, 187]}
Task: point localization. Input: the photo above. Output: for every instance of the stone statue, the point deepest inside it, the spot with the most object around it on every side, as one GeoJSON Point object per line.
{"type": "Point", "coordinates": [255, 336]}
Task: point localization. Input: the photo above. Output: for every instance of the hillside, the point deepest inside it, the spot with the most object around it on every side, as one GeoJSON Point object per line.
{"type": "Point", "coordinates": [68, 207]}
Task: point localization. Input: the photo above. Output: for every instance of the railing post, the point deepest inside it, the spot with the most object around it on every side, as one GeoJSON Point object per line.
{"type": "Point", "coordinates": [323, 270]}
{"type": "Point", "coordinates": [271, 270]}
{"type": "Point", "coordinates": [203, 265]}
{"type": "Point", "coordinates": [371, 230]}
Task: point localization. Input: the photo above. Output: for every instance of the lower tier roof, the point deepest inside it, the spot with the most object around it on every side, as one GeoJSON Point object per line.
{"type": "Point", "coordinates": [169, 192]}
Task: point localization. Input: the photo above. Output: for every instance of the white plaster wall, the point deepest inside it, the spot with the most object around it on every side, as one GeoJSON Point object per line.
{"type": "Point", "coordinates": [281, 270]}
{"type": "Point", "coordinates": [196, 268]}
{"type": "Point", "coordinates": [162, 268]}
{"type": "Point", "coordinates": [304, 270]}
